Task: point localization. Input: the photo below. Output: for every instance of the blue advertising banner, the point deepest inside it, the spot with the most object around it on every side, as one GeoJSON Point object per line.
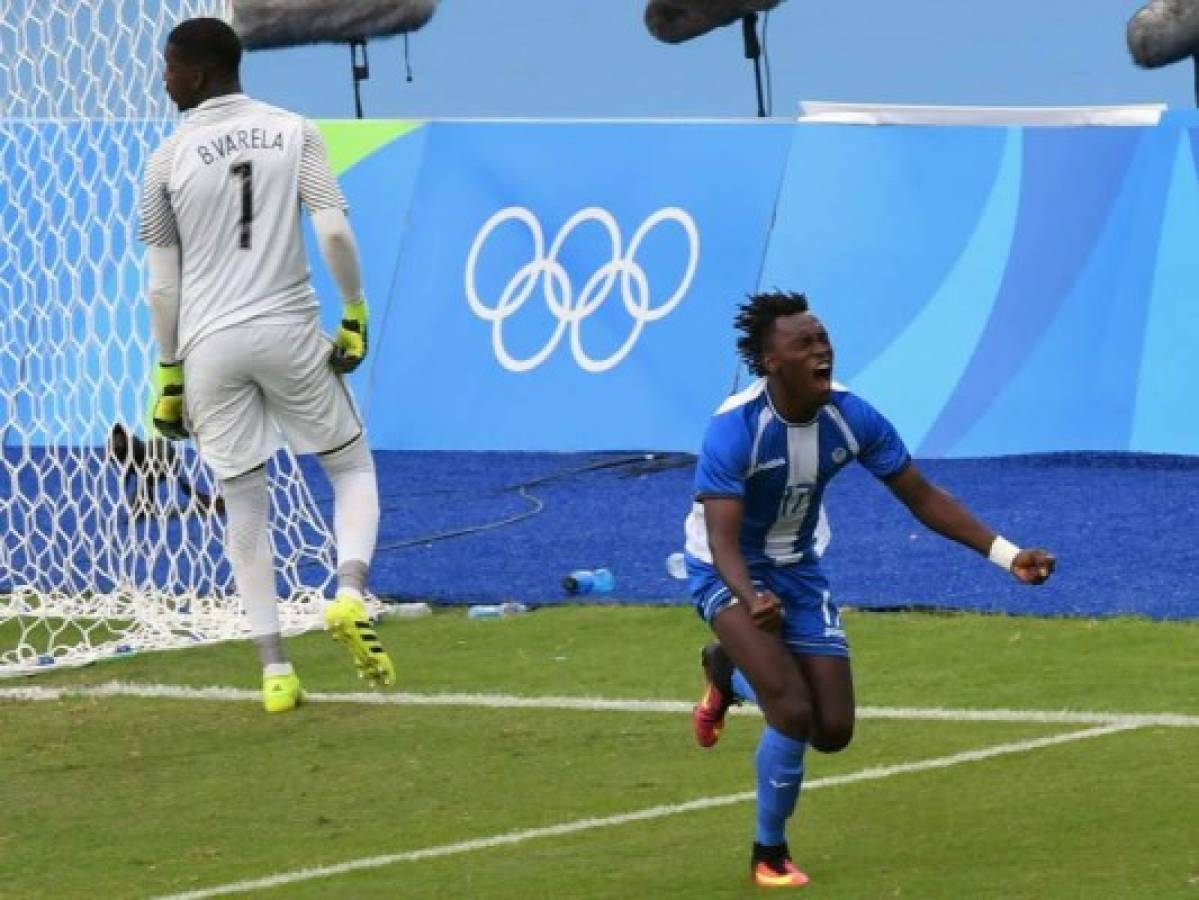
{"type": "Point", "coordinates": [571, 286]}
{"type": "Point", "coordinates": [1002, 290]}
{"type": "Point", "coordinates": [377, 164]}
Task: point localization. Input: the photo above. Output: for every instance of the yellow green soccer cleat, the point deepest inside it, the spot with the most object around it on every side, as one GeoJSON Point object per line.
{"type": "Point", "coordinates": [281, 693]}
{"type": "Point", "coordinates": [347, 621]}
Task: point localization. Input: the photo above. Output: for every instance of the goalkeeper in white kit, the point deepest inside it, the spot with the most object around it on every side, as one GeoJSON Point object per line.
{"type": "Point", "coordinates": [236, 320]}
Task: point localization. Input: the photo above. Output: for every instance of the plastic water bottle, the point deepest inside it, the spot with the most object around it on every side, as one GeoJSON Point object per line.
{"type": "Point", "coordinates": [676, 565]}
{"type": "Point", "coordinates": [589, 581]}
{"type": "Point", "coordinates": [406, 610]}
{"type": "Point", "coordinates": [495, 610]}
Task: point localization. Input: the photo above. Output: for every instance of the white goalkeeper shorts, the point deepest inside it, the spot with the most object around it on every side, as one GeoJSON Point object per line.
{"type": "Point", "coordinates": [249, 387]}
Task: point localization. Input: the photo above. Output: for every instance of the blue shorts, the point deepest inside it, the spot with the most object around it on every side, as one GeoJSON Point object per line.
{"type": "Point", "coordinates": [811, 620]}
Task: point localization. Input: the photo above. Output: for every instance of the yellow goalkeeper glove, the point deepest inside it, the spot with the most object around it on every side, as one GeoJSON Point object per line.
{"type": "Point", "coordinates": [349, 344]}
{"type": "Point", "coordinates": [168, 405]}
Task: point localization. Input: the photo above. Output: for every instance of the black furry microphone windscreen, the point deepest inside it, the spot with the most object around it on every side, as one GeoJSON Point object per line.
{"type": "Point", "coordinates": [1164, 32]}
{"type": "Point", "coordinates": [285, 23]}
{"type": "Point", "coordinates": [675, 21]}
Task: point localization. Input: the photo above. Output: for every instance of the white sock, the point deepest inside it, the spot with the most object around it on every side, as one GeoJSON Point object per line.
{"type": "Point", "coordinates": [248, 545]}
{"type": "Point", "coordinates": [351, 471]}
{"type": "Point", "coordinates": [276, 669]}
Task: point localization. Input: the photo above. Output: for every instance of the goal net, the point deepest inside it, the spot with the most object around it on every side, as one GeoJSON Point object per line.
{"type": "Point", "coordinates": [95, 559]}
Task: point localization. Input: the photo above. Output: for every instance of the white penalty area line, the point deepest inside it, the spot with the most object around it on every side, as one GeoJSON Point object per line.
{"type": "Point", "coordinates": [590, 704]}
{"type": "Point", "coordinates": [643, 815]}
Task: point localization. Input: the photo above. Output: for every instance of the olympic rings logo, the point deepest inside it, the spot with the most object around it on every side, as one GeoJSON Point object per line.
{"type": "Point", "coordinates": [570, 309]}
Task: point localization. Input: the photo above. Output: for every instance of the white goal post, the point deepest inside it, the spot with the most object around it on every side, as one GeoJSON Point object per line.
{"type": "Point", "coordinates": [91, 567]}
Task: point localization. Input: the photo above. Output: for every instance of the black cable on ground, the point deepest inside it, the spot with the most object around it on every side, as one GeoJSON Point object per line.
{"type": "Point", "coordinates": [522, 488]}
{"type": "Point", "coordinates": [538, 506]}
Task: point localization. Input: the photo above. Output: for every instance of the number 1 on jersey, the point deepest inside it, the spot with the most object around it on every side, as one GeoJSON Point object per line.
{"type": "Point", "coordinates": [246, 172]}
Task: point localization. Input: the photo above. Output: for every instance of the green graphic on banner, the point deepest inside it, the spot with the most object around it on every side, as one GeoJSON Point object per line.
{"type": "Point", "coordinates": [350, 141]}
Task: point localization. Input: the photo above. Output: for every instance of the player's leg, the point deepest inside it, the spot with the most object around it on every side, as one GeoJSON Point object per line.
{"type": "Point", "coordinates": [819, 653]}
{"type": "Point", "coordinates": [351, 471]}
{"type": "Point", "coordinates": [234, 436]}
{"type": "Point", "coordinates": [708, 715]}
{"type": "Point", "coordinates": [830, 680]}
{"type": "Point", "coordinates": [766, 665]}
{"type": "Point", "coordinates": [313, 407]}
{"type": "Point", "coordinates": [812, 630]}
{"type": "Point", "coordinates": [724, 686]}
{"type": "Point", "coordinates": [248, 545]}
{"type": "Point", "coordinates": [727, 679]}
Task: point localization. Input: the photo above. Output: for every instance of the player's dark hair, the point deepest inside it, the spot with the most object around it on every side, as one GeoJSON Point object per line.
{"type": "Point", "coordinates": [208, 43]}
{"type": "Point", "coordinates": [756, 318]}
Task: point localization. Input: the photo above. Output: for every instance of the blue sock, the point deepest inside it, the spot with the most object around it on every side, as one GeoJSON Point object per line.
{"type": "Point", "coordinates": [780, 773]}
{"type": "Point", "coordinates": [742, 688]}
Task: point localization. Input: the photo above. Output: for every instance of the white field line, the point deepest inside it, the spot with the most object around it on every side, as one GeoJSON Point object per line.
{"type": "Point", "coordinates": [590, 704]}
{"type": "Point", "coordinates": [642, 815]}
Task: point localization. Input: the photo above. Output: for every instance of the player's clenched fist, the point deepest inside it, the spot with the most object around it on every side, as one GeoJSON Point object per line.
{"type": "Point", "coordinates": [168, 405]}
{"type": "Point", "coordinates": [767, 612]}
{"type": "Point", "coordinates": [1034, 566]}
{"type": "Point", "coordinates": [349, 344]}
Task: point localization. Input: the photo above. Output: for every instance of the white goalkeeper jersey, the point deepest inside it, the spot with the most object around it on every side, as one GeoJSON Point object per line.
{"type": "Point", "coordinates": [226, 187]}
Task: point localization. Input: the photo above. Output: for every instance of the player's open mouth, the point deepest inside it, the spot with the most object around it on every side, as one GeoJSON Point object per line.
{"type": "Point", "coordinates": [824, 372]}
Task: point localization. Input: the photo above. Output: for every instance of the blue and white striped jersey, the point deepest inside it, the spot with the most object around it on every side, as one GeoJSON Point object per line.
{"type": "Point", "coordinates": [780, 469]}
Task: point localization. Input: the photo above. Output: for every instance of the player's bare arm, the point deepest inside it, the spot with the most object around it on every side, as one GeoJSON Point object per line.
{"type": "Point", "coordinates": [723, 518]}
{"type": "Point", "coordinates": [943, 513]}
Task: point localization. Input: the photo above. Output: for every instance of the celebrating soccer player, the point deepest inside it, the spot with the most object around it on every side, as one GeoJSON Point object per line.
{"type": "Point", "coordinates": [755, 536]}
{"type": "Point", "coordinates": [237, 327]}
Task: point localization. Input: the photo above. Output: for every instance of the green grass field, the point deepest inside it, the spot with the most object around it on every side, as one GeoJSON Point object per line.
{"type": "Point", "coordinates": [137, 796]}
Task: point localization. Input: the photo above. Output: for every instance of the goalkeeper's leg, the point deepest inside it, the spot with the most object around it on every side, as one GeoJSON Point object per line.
{"type": "Point", "coordinates": [315, 410]}
{"type": "Point", "coordinates": [249, 548]}
{"type": "Point", "coordinates": [351, 471]}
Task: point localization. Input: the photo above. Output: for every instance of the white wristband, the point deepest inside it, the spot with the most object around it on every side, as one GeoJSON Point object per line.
{"type": "Point", "coordinates": [1003, 553]}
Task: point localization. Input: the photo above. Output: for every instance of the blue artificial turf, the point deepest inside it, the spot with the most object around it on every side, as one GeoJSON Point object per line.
{"type": "Point", "coordinates": [1121, 525]}
{"type": "Point", "coordinates": [486, 527]}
